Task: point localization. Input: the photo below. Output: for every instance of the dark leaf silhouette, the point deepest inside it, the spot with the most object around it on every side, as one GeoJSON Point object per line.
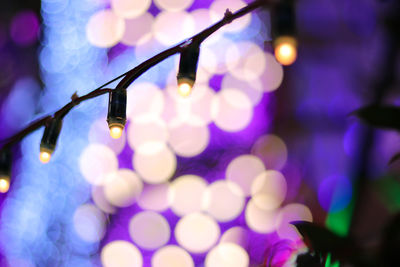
{"type": "Point", "coordinates": [387, 117]}
{"type": "Point", "coordinates": [395, 158]}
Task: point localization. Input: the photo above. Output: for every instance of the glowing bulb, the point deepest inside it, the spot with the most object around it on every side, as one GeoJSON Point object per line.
{"type": "Point", "coordinates": [116, 131]}
{"type": "Point", "coordinates": [285, 50]}
{"type": "Point", "coordinates": [44, 156]}
{"type": "Point", "coordinates": [184, 89]}
{"type": "Point", "coordinates": [4, 184]}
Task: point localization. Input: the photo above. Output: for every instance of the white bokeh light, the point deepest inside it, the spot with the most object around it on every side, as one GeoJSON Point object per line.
{"type": "Point", "coordinates": [171, 256]}
{"type": "Point", "coordinates": [253, 89]}
{"type": "Point", "coordinates": [135, 35]}
{"type": "Point", "coordinates": [219, 55]}
{"type": "Point", "coordinates": [237, 235]}
{"type": "Point", "coordinates": [101, 201]}
{"type": "Point", "coordinates": [289, 213]}
{"type": "Point", "coordinates": [105, 28]}
{"type": "Point", "coordinates": [96, 161]}
{"type": "Point", "coordinates": [173, 5]}
{"type": "Point", "coordinates": [154, 197]}
{"type": "Point", "coordinates": [224, 200]}
{"type": "Point", "coordinates": [268, 190]}
{"type": "Point", "coordinates": [273, 74]}
{"type": "Point", "coordinates": [130, 9]}
{"type": "Point", "coordinates": [149, 230]}
{"type": "Point", "coordinates": [89, 223]}
{"type": "Point", "coordinates": [155, 167]}
{"type": "Point", "coordinates": [186, 194]}
{"type": "Point", "coordinates": [197, 232]}
{"type": "Point", "coordinates": [122, 254]}
{"type": "Point", "coordinates": [243, 170]}
{"type": "Point", "coordinates": [99, 133]}
{"type": "Point", "coordinates": [144, 99]}
{"type": "Point", "coordinates": [227, 255]}
{"type": "Point", "coordinates": [122, 187]}
{"type": "Point", "coordinates": [232, 110]}
{"type": "Point", "coordinates": [271, 150]}
{"type": "Point", "coordinates": [260, 220]}
{"type": "Point", "coordinates": [172, 27]}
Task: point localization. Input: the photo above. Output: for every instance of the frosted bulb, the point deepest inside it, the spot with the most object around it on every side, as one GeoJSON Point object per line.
{"type": "Point", "coordinates": [116, 131]}
{"type": "Point", "coordinates": [4, 184]}
{"type": "Point", "coordinates": [285, 50]}
{"type": "Point", "coordinates": [184, 89]}
{"type": "Point", "coordinates": [44, 156]}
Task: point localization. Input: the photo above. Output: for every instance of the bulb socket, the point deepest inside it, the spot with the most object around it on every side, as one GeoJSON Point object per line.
{"type": "Point", "coordinates": [50, 136]}
{"type": "Point", "coordinates": [5, 163]}
{"type": "Point", "coordinates": [188, 64]}
{"type": "Point", "coordinates": [117, 108]}
{"type": "Point", "coordinates": [284, 19]}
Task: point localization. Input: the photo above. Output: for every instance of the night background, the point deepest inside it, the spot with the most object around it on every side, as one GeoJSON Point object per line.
{"type": "Point", "coordinates": [213, 179]}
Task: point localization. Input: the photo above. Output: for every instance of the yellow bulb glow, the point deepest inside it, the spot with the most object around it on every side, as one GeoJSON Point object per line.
{"type": "Point", "coordinates": [4, 184]}
{"type": "Point", "coordinates": [116, 131]}
{"type": "Point", "coordinates": [184, 89]}
{"type": "Point", "coordinates": [285, 50]}
{"type": "Point", "coordinates": [44, 156]}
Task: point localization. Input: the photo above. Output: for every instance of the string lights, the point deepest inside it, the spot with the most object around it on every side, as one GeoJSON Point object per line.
{"type": "Point", "coordinates": [285, 52]}
{"type": "Point", "coordinates": [188, 68]}
{"type": "Point", "coordinates": [49, 139]}
{"type": "Point", "coordinates": [285, 43]}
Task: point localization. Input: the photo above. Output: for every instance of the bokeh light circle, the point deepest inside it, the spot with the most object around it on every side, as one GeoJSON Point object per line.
{"type": "Point", "coordinates": [172, 27]}
{"type": "Point", "coordinates": [122, 254]}
{"type": "Point", "coordinates": [96, 161]}
{"type": "Point", "coordinates": [173, 5]}
{"type": "Point", "coordinates": [271, 150]}
{"type": "Point", "coordinates": [227, 255]}
{"type": "Point", "coordinates": [260, 220]}
{"type": "Point", "coordinates": [273, 74]}
{"type": "Point", "coordinates": [224, 200]}
{"type": "Point", "coordinates": [155, 167]}
{"type": "Point", "coordinates": [171, 256]}
{"type": "Point", "coordinates": [89, 223]}
{"type": "Point", "coordinates": [268, 190]}
{"type": "Point", "coordinates": [253, 89]}
{"type": "Point", "coordinates": [219, 55]}
{"type": "Point", "coordinates": [197, 232]}
{"type": "Point", "coordinates": [122, 187]}
{"type": "Point", "coordinates": [101, 201]}
{"type": "Point", "coordinates": [149, 230]}
{"type": "Point", "coordinates": [154, 197]}
{"type": "Point", "coordinates": [144, 99]}
{"type": "Point", "coordinates": [105, 28]}
{"type": "Point", "coordinates": [243, 170]}
{"type": "Point", "coordinates": [290, 213]}
{"type": "Point", "coordinates": [135, 35]}
{"type": "Point", "coordinates": [130, 9]}
{"type": "Point", "coordinates": [186, 194]}
{"type": "Point", "coordinates": [232, 110]}
{"type": "Point", "coordinates": [237, 235]}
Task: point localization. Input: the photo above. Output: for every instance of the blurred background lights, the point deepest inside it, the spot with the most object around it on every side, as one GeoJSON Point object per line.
{"type": "Point", "coordinates": [227, 255]}
{"type": "Point", "coordinates": [96, 161]}
{"type": "Point", "coordinates": [154, 197]}
{"type": "Point", "coordinates": [122, 187]}
{"type": "Point", "coordinates": [268, 190]}
{"type": "Point", "coordinates": [173, 5]}
{"type": "Point", "coordinates": [155, 166]}
{"type": "Point", "coordinates": [186, 194]}
{"type": "Point", "coordinates": [290, 213]}
{"type": "Point", "coordinates": [271, 150]}
{"type": "Point", "coordinates": [232, 110]}
{"type": "Point", "coordinates": [149, 230]}
{"type": "Point", "coordinates": [105, 28]}
{"type": "Point", "coordinates": [101, 201]}
{"type": "Point", "coordinates": [188, 140]}
{"type": "Point", "coordinates": [253, 89]}
{"type": "Point", "coordinates": [130, 9]}
{"type": "Point", "coordinates": [260, 220]}
{"type": "Point", "coordinates": [223, 200]}
{"type": "Point", "coordinates": [171, 256]}
{"type": "Point", "coordinates": [144, 99]}
{"type": "Point", "coordinates": [197, 232]}
{"type": "Point", "coordinates": [135, 35]}
{"type": "Point", "coordinates": [237, 235]}
{"type": "Point", "coordinates": [170, 28]}
{"type": "Point", "coordinates": [243, 170]}
{"type": "Point", "coordinates": [122, 254]}
{"type": "Point", "coordinates": [273, 75]}
{"type": "Point", "coordinates": [89, 223]}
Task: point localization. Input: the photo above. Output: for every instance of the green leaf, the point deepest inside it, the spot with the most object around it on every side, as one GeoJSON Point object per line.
{"type": "Point", "coordinates": [387, 117]}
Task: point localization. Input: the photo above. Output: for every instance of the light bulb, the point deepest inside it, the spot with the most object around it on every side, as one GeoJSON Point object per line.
{"type": "Point", "coordinates": [44, 156]}
{"type": "Point", "coordinates": [4, 184]}
{"type": "Point", "coordinates": [184, 89]}
{"type": "Point", "coordinates": [116, 131]}
{"type": "Point", "coordinates": [285, 50]}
